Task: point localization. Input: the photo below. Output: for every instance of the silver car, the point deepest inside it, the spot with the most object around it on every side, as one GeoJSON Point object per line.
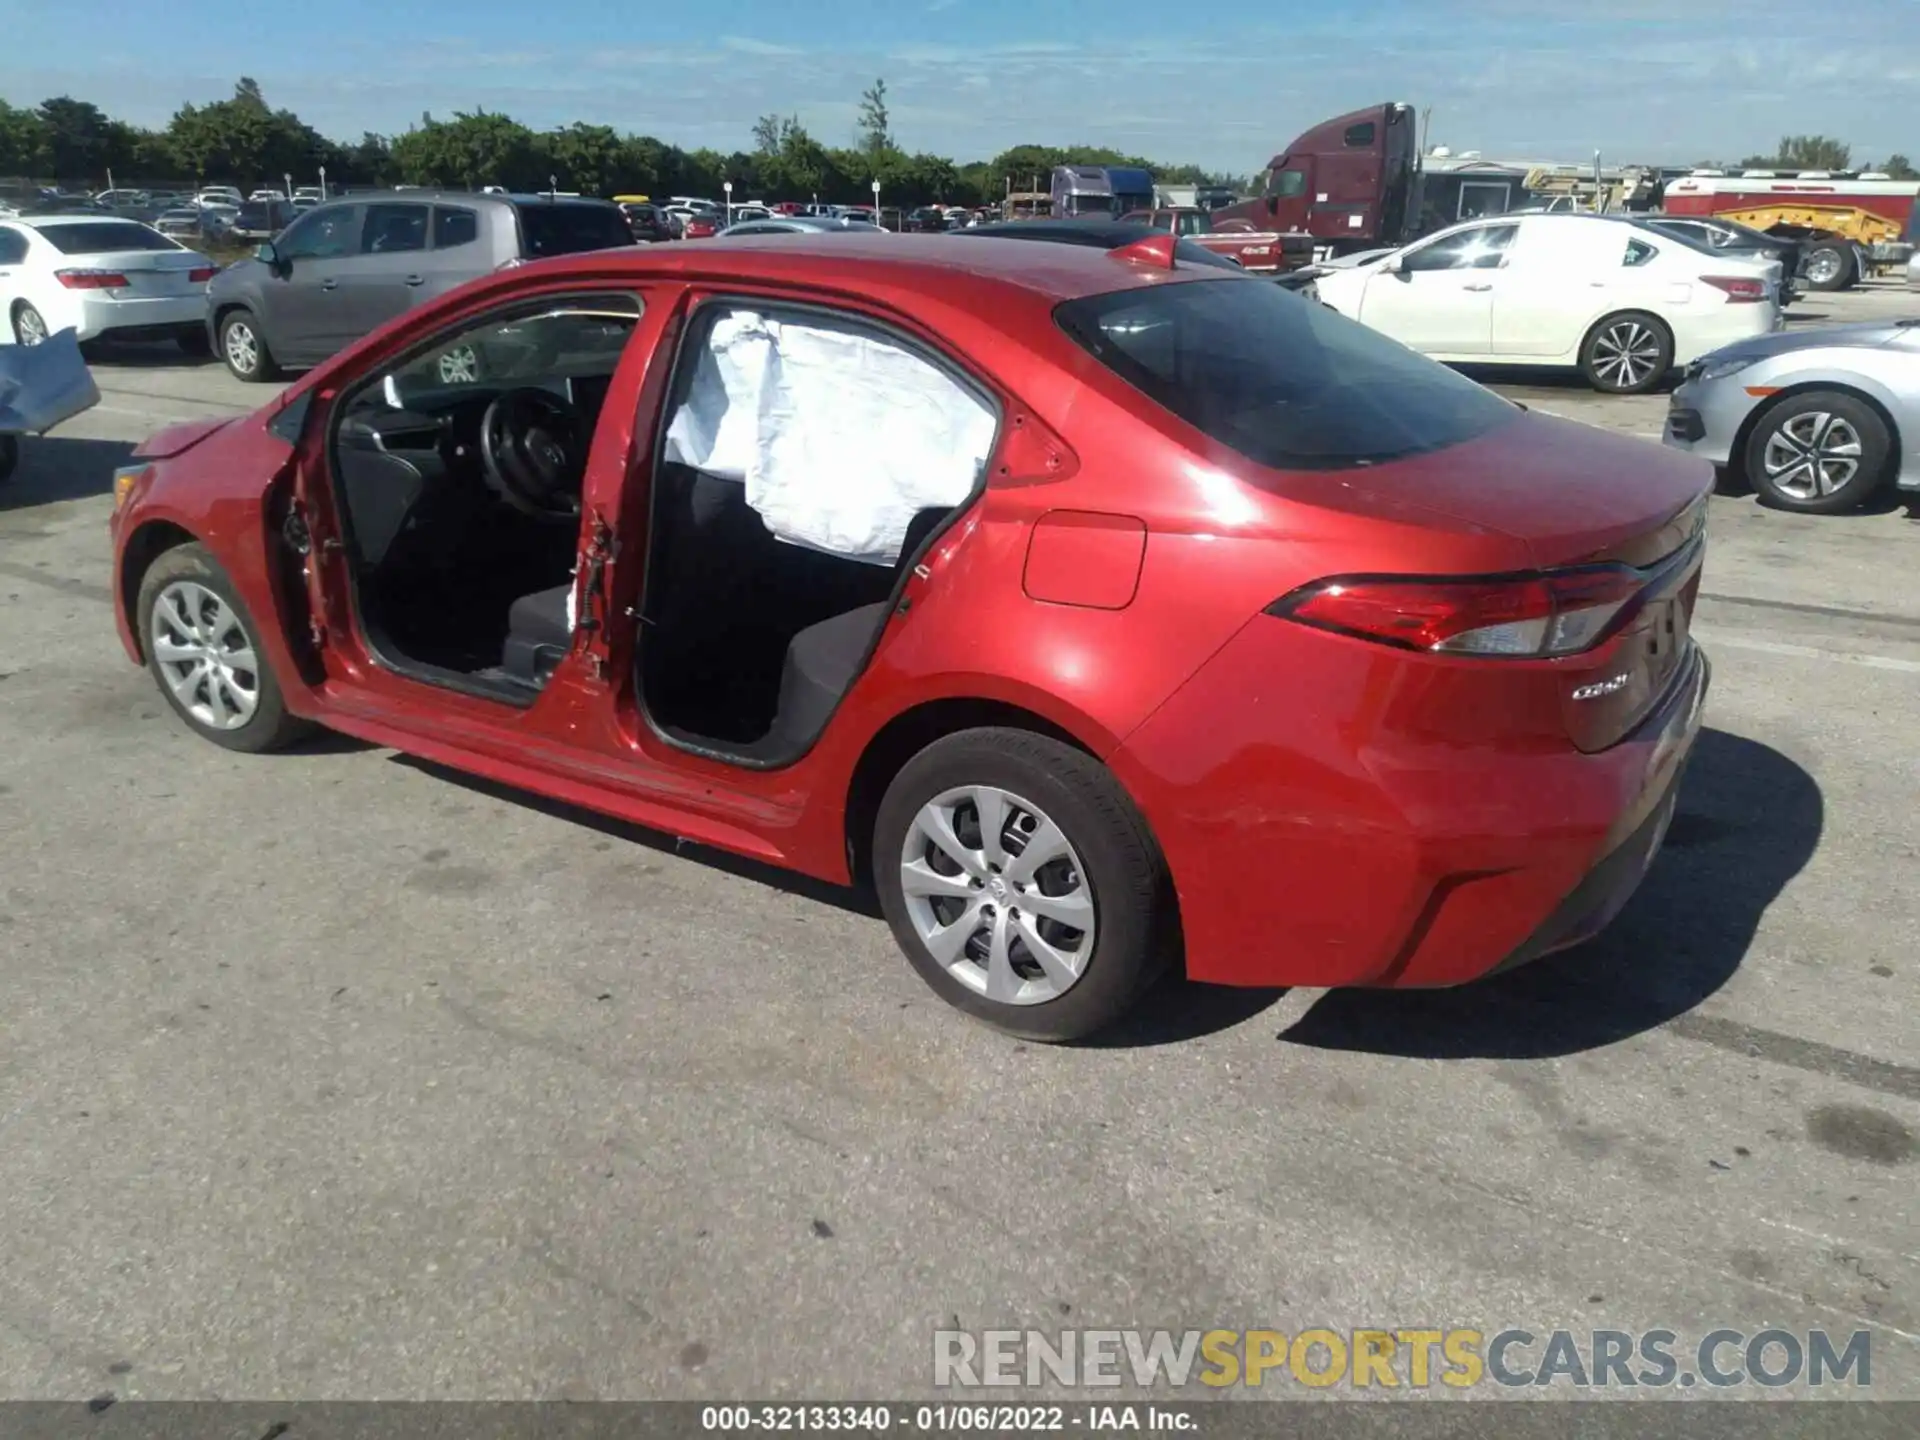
{"type": "Point", "coordinates": [799, 225]}
{"type": "Point", "coordinates": [1815, 420]}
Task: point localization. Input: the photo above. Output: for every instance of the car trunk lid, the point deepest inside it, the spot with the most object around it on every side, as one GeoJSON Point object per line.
{"type": "Point", "coordinates": [150, 274]}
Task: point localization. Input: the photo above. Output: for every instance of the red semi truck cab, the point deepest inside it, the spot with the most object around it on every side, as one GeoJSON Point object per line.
{"type": "Point", "coordinates": [1348, 182]}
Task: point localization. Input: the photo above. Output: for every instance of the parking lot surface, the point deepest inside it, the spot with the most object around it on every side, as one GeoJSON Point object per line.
{"type": "Point", "coordinates": [332, 1074]}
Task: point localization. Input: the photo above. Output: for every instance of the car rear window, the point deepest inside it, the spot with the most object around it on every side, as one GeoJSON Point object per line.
{"type": "Point", "coordinates": [569, 229]}
{"type": "Point", "coordinates": [102, 238]}
{"type": "Point", "coordinates": [1281, 379]}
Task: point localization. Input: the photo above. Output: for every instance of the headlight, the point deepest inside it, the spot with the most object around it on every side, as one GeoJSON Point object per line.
{"type": "Point", "coordinates": [1717, 367]}
{"type": "Point", "coordinates": [124, 480]}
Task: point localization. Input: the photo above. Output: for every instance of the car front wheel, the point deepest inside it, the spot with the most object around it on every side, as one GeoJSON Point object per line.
{"type": "Point", "coordinates": [204, 650]}
{"type": "Point", "coordinates": [244, 348]}
{"type": "Point", "coordinates": [1819, 452]}
{"type": "Point", "coordinates": [1022, 883]}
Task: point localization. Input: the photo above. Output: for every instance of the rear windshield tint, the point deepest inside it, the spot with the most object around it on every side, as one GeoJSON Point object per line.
{"type": "Point", "coordinates": [103, 237]}
{"type": "Point", "coordinates": [570, 229]}
{"type": "Point", "coordinates": [1281, 379]}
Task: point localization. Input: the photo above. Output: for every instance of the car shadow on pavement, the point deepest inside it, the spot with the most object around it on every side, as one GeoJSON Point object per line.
{"type": "Point", "coordinates": [805, 886]}
{"type": "Point", "coordinates": [56, 468]}
{"type": "Point", "coordinates": [155, 355]}
{"type": "Point", "coordinates": [1748, 822]}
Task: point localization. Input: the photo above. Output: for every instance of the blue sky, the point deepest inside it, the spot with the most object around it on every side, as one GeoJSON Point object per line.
{"type": "Point", "coordinates": [1224, 85]}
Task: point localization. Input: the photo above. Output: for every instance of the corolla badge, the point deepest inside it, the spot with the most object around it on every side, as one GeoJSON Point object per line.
{"type": "Point", "coordinates": [1613, 685]}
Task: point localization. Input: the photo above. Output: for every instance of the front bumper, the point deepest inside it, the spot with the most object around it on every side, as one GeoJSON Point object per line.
{"type": "Point", "coordinates": [1704, 417]}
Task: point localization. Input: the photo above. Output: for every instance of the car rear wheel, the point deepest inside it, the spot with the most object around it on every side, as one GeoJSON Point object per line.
{"type": "Point", "coordinates": [204, 650]}
{"type": "Point", "coordinates": [1627, 354]}
{"type": "Point", "coordinates": [1022, 883]}
{"type": "Point", "coordinates": [29, 326]}
{"type": "Point", "coordinates": [1819, 452]}
{"type": "Point", "coordinates": [1830, 267]}
{"type": "Point", "coordinates": [244, 348]}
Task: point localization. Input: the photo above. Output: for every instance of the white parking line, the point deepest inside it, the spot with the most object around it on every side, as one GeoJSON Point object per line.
{"type": "Point", "coordinates": [1804, 652]}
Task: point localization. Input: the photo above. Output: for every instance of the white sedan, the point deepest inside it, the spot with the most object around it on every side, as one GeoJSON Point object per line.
{"type": "Point", "coordinates": [1619, 302]}
{"type": "Point", "coordinates": [103, 278]}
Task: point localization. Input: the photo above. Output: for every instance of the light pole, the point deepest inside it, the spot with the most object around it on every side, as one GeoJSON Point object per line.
{"type": "Point", "coordinates": [876, 202]}
{"type": "Point", "coordinates": [323, 182]}
{"type": "Point", "coordinates": [727, 185]}
{"type": "Point", "coordinates": [287, 180]}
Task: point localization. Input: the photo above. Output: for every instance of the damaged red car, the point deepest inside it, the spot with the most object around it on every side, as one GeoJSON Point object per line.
{"type": "Point", "coordinates": [1100, 612]}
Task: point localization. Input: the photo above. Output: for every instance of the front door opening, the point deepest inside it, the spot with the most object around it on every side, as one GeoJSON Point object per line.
{"type": "Point", "coordinates": [458, 472]}
{"type": "Point", "coordinates": [808, 460]}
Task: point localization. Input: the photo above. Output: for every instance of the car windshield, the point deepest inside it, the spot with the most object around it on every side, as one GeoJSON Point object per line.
{"type": "Point", "coordinates": [550, 229]}
{"type": "Point", "coordinates": [1283, 380]}
{"type": "Point", "coordinates": [103, 238]}
{"type": "Point", "coordinates": [541, 348]}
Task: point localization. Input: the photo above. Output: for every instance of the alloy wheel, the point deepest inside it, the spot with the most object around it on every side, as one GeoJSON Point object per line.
{"type": "Point", "coordinates": [998, 895]}
{"type": "Point", "coordinates": [1823, 267]}
{"type": "Point", "coordinates": [1812, 455]}
{"type": "Point", "coordinates": [459, 366]}
{"type": "Point", "coordinates": [242, 346]}
{"type": "Point", "coordinates": [1626, 353]}
{"type": "Point", "coordinates": [29, 328]}
{"type": "Point", "coordinates": [205, 655]}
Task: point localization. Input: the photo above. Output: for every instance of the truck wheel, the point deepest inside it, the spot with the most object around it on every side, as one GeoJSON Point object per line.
{"type": "Point", "coordinates": [1830, 266]}
{"type": "Point", "coordinates": [1820, 452]}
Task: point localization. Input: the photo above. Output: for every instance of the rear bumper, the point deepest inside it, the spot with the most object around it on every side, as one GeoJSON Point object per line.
{"type": "Point", "coordinates": [96, 317]}
{"type": "Point", "coordinates": [1324, 828]}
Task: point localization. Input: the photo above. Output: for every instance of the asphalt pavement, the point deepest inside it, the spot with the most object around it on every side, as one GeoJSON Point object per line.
{"type": "Point", "coordinates": [336, 1075]}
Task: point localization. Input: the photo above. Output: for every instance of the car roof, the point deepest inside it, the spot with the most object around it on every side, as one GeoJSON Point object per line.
{"type": "Point", "coordinates": [78, 217]}
{"type": "Point", "coordinates": [963, 267]}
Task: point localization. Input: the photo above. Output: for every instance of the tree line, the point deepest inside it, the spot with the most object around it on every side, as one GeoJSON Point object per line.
{"type": "Point", "coordinates": [246, 142]}
{"type": "Point", "coordinates": [1815, 152]}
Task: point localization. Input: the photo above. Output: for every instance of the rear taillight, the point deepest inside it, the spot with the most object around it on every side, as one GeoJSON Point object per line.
{"type": "Point", "coordinates": [1740, 290]}
{"type": "Point", "coordinates": [91, 279]}
{"type": "Point", "coordinates": [202, 274]}
{"type": "Point", "coordinates": [1560, 612]}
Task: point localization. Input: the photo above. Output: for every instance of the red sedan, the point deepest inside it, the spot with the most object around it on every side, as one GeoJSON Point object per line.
{"type": "Point", "coordinates": [1098, 611]}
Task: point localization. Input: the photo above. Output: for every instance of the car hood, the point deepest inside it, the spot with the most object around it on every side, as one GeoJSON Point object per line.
{"type": "Point", "coordinates": [175, 439]}
{"type": "Point", "coordinates": [1866, 335]}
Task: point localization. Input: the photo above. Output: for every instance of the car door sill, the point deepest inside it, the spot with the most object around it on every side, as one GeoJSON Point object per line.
{"type": "Point", "coordinates": [641, 783]}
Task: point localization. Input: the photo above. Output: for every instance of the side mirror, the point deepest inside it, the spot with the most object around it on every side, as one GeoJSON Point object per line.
{"type": "Point", "coordinates": [1393, 266]}
{"type": "Point", "coordinates": [267, 255]}
{"type": "Point", "coordinates": [1273, 204]}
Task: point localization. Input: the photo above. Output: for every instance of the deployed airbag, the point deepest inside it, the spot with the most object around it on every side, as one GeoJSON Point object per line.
{"type": "Point", "coordinates": [41, 385]}
{"type": "Point", "coordinates": [839, 436]}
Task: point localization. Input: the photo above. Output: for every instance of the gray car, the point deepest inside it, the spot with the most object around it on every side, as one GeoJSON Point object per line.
{"type": "Point", "coordinates": [348, 266]}
{"type": "Point", "coordinates": [1815, 420]}
{"type": "Point", "coordinates": [798, 225]}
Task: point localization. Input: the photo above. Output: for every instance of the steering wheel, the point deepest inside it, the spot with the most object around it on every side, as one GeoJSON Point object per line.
{"type": "Point", "coordinates": [532, 452]}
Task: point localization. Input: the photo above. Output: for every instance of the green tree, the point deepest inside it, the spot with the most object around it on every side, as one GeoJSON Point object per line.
{"type": "Point", "coordinates": [587, 158]}
{"type": "Point", "coordinates": [1803, 152]}
{"type": "Point", "coordinates": [876, 134]}
{"type": "Point", "coordinates": [766, 134]}
{"type": "Point", "coordinates": [79, 139]}
{"type": "Point", "coordinates": [23, 141]}
{"type": "Point", "coordinates": [1900, 168]}
{"type": "Point", "coordinates": [470, 150]}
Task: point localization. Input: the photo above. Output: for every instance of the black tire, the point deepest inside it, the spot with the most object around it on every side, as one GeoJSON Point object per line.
{"type": "Point", "coordinates": [1628, 331]}
{"type": "Point", "coordinates": [9, 457]}
{"type": "Point", "coordinates": [1131, 895]}
{"type": "Point", "coordinates": [270, 727]}
{"type": "Point", "coordinates": [1869, 429]}
{"type": "Point", "coordinates": [24, 320]}
{"type": "Point", "coordinates": [194, 342]}
{"type": "Point", "coordinates": [263, 368]}
{"type": "Point", "coordinates": [1830, 265]}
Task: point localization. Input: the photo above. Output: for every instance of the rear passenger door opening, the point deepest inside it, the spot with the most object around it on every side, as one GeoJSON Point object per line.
{"type": "Point", "coordinates": [807, 459]}
{"type": "Point", "coordinates": [457, 474]}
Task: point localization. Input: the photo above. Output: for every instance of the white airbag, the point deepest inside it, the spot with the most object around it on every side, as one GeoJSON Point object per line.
{"type": "Point", "coordinates": [839, 436]}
